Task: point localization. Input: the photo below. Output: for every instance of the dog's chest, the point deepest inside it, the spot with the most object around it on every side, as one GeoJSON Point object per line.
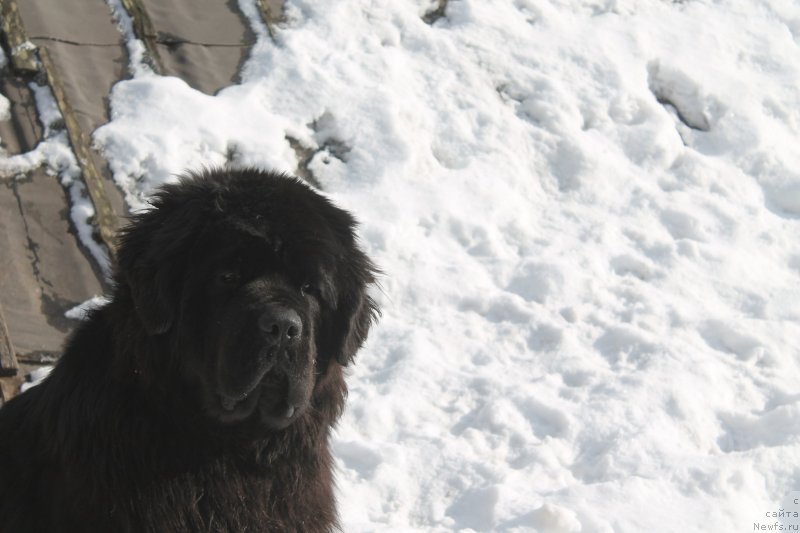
{"type": "Point", "coordinates": [233, 498]}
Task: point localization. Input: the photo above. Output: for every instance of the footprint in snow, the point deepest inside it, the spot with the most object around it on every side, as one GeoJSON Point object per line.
{"type": "Point", "coordinates": [682, 225]}
{"type": "Point", "coordinates": [724, 338]}
{"type": "Point", "coordinates": [475, 509]}
{"type": "Point", "coordinates": [358, 457]}
{"type": "Point", "coordinates": [639, 267]}
{"type": "Point", "coordinates": [625, 344]}
{"type": "Point", "coordinates": [674, 88]}
{"type": "Point", "coordinates": [778, 426]}
{"type": "Point", "coordinates": [535, 281]}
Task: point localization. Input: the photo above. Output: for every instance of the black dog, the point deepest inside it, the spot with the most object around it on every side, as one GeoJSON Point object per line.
{"type": "Point", "coordinates": [201, 397]}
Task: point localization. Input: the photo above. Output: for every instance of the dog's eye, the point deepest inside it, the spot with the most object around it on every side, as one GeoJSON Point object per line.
{"type": "Point", "coordinates": [307, 289]}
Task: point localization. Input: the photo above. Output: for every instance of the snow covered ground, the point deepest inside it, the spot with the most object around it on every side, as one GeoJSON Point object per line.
{"type": "Point", "coordinates": [587, 213]}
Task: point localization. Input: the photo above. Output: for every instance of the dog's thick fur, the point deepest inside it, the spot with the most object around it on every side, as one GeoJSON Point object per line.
{"type": "Point", "coordinates": [201, 397]}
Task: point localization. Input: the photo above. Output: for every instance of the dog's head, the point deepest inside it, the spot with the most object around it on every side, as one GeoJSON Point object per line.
{"type": "Point", "coordinates": [257, 285]}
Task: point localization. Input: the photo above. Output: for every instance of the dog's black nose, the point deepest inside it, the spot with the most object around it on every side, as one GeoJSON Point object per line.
{"type": "Point", "coordinates": [281, 325]}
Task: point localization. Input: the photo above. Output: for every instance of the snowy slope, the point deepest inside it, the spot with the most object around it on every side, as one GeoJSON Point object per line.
{"type": "Point", "coordinates": [587, 213]}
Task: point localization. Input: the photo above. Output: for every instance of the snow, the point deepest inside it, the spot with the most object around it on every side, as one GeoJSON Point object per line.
{"type": "Point", "coordinates": [587, 215]}
{"type": "Point", "coordinates": [5, 105]}
{"type": "Point", "coordinates": [80, 312]}
{"type": "Point", "coordinates": [135, 47]}
{"type": "Point", "coordinates": [36, 376]}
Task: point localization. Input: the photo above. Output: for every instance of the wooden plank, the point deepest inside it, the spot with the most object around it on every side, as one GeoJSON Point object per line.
{"type": "Point", "coordinates": [14, 32]}
{"type": "Point", "coordinates": [144, 30]}
{"type": "Point", "coordinates": [43, 270]}
{"type": "Point", "coordinates": [8, 389]}
{"type": "Point", "coordinates": [8, 359]}
{"type": "Point", "coordinates": [203, 42]}
{"type": "Point", "coordinates": [271, 13]}
{"type": "Point", "coordinates": [23, 56]}
{"type": "Point", "coordinates": [105, 219]}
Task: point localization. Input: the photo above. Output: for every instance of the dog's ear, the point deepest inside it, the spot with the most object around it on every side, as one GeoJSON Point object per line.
{"type": "Point", "coordinates": [355, 315]}
{"type": "Point", "coordinates": [355, 311]}
{"type": "Point", "coordinates": [152, 256]}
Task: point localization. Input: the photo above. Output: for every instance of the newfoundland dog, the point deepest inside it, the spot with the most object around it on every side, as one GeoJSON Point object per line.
{"type": "Point", "coordinates": [201, 397]}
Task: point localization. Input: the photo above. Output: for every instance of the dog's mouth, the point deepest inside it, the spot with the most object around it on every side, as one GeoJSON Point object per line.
{"type": "Point", "coordinates": [278, 399]}
{"type": "Point", "coordinates": [234, 405]}
{"type": "Point", "coordinates": [234, 409]}
{"type": "Point", "coordinates": [280, 415]}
